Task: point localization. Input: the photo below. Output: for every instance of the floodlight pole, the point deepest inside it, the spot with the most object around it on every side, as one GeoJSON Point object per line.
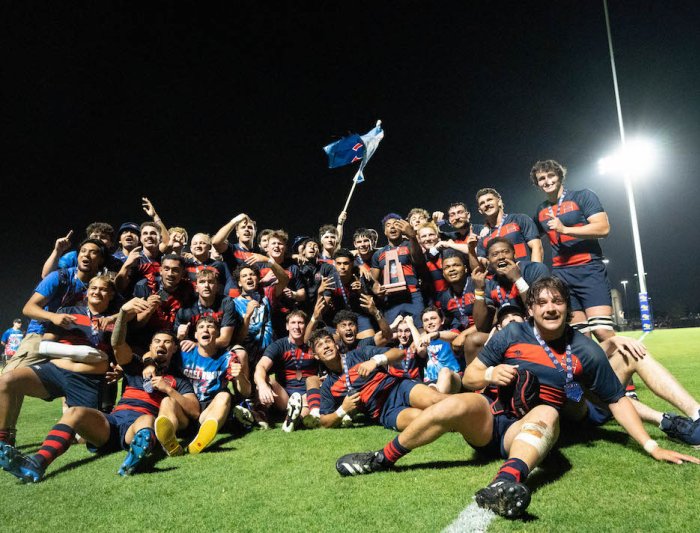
{"type": "Point", "coordinates": [644, 305]}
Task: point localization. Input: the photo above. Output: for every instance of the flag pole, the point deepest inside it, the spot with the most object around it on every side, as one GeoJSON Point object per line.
{"type": "Point", "coordinates": [352, 190]}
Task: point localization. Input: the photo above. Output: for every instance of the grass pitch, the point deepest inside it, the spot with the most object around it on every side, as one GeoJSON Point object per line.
{"type": "Point", "coordinates": [598, 480]}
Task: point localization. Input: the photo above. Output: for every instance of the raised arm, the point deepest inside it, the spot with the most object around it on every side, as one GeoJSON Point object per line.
{"type": "Point", "coordinates": [61, 246]}
{"type": "Point", "coordinates": [220, 239]}
{"type": "Point", "coordinates": [164, 245]}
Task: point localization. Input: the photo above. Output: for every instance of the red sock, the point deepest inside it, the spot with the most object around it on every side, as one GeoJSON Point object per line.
{"type": "Point", "coordinates": [313, 398]}
{"type": "Point", "coordinates": [57, 442]}
{"type": "Point", "coordinates": [513, 470]}
{"type": "Point", "coordinates": [394, 451]}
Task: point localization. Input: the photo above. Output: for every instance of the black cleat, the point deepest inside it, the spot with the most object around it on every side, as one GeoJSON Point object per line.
{"type": "Point", "coordinates": [505, 498]}
{"type": "Point", "coordinates": [681, 428]}
{"type": "Point", "coordinates": [354, 464]}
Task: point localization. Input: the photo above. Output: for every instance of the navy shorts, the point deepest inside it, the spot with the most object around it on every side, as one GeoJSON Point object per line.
{"type": "Point", "coordinates": [589, 285]}
{"type": "Point", "coordinates": [364, 323]}
{"type": "Point", "coordinates": [119, 424]}
{"type": "Point", "coordinates": [80, 390]}
{"type": "Point", "coordinates": [397, 400]}
{"type": "Point", "coordinates": [405, 305]}
{"type": "Point", "coordinates": [596, 414]}
{"type": "Point", "coordinates": [495, 448]}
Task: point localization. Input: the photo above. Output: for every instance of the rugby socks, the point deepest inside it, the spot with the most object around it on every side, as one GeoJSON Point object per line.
{"type": "Point", "coordinates": [513, 470]}
{"type": "Point", "coordinates": [8, 435]}
{"type": "Point", "coordinates": [57, 442]}
{"type": "Point", "coordinates": [313, 398]}
{"type": "Point", "coordinates": [394, 451]}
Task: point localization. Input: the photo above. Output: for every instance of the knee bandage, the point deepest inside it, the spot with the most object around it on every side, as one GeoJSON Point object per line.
{"type": "Point", "coordinates": [538, 435]}
{"type": "Point", "coordinates": [600, 322]}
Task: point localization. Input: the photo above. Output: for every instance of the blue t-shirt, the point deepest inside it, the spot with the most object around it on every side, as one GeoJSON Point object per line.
{"type": "Point", "coordinates": [207, 374]}
{"type": "Point", "coordinates": [440, 355]}
{"type": "Point", "coordinates": [63, 289]}
{"type": "Point", "coordinates": [12, 339]}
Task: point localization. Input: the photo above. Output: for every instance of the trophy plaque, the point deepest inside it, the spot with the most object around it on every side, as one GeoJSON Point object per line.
{"type": "Point", "coordinates": [394, 280]}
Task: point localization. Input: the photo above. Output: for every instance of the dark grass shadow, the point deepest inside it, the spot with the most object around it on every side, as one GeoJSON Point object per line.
{"type": "Point", "coordinates": [74, 464]}
{"type": "Point", "coordinates": [573, 433]}
{"type": "Point", "coordinates": [441, 465]}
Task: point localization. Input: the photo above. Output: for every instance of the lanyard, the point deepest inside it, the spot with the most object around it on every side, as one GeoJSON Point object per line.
{"type": "Point", "coordinates": [569, 365]}
{"type": "Point", "coordinates": [463, 315]}
{"type": "Point", "coordinates": [341, 287]}
{"type": "Point", "coordinates": [508, 295]}
{"type": "Point", "coordinates": [348, 385]}
{"type": "Point", "coordinates": [497, 229]}
{"type": "Point", "coordinates": [95, 333]}
{"type": "Point", "coordinates": [406, 361]}
{"type": "Point", "coordinates": [297, 358]}
{"type": "Point", "coordinates": [551, 213]}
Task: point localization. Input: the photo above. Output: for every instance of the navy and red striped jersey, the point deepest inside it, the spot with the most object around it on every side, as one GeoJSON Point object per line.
{"type": "Point", "coordinates": [223, 276]}
{"type": "Point", "coordinates": [373, 389]}
{"type": "Point", "coordinates": [404, 253]}
{"type": "Point", "coordinates": [171, 303]}
{"type": "Point", "coordinates": [458, 308]}
{"type": "Point", "coordinates": [575, 210]}
{"type": "Point", "coordinates": [134, 398]}
{"type": "Point", "coordinates": [223, 311]}
{"type": "Point", "coordinates": [85, 331]}
{"type": "Point", "coordinates": [234, 256]}
{"type": "Point", "coordinates": [410, 367]}
{"type": "Point", "coordinates": [291, 363]}
{"type": "Point", "coordinates": [500, 290]}
{"type": "Point", "coordinates": [362, 265]}
{"type": "Point", "coordinates": [517, 228]}
{"type": "Point", "coordinates": [516, 345]}
{"type": "Point", "coordinates": [438, 285]}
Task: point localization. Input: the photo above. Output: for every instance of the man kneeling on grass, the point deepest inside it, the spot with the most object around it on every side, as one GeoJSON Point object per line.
{"type": "Point", "coordinates": [563, 360]}
{"type": "Point", "coordinates": [209, 369]}
{"type": "Point", "coordinates": [130, 424]}
{"type": "Point", "coordinates": [359, 381]}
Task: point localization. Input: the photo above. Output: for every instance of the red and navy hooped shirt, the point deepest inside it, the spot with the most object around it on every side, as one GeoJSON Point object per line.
{"type": "Point", "coordinates": [404, 253]}
{"type": "Point", "coordinates": [373, 389]}
{"type": "Point", "coordinates": [517, 228]}
{"type": "Point", "coordinates": [500, 291]}
{"type": "Point", "coordinates": [410, 367]}
{"type": "Point", "coordinates": [516, 344]}
{"type": "Point", "coordinates": [87, 330]}
{"type": "Point", "coordinates": [223, 311]}
{"type": "Point", "coordinates": [288, 359]}
{"type": "Point", "coordinates": [458, 308]}
{"type": "Point", "coordinates": [134, 398]}
{"type": "Point", "coordinates": [575, 210]}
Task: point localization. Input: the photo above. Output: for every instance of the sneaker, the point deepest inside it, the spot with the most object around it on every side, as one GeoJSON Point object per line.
{"type": "Point", "coordinates": [165, 433]}
{"type": "Point", "coordinates": [506, 498]}
{"type": "Point", "coordinates": [293, 411]}
{"type": "Point", "coordinates": [244, 416]}
{"type": "Point", "coordinates": [141, 446]}
{"type": "Point", "coordinates": [354, 464]}
{"type": "Point", "coordinates": [19, 465]}
{"type": "Point", "coordinates": [311, 421]}
{"type": "Point", "coordinates": [207, 432]}
{"type": "Point", "coordinates": [681, 428]}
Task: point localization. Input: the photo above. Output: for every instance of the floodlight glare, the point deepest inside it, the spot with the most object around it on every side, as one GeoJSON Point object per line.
{"type": "Point", "coordinates": [635, 159]}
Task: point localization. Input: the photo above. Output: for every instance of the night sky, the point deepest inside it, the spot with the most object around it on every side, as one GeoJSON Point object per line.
{"type": "Point", "coordinates": [210, 112]}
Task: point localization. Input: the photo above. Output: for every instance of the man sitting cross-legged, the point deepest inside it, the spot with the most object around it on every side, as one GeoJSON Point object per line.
{"type": "Point", "coordinates": [296, 386]}
{"type": "Point", "coordinates": [359, 381]}
{"type": "Point", "coordinates": [562, 359]}
{"type": "Point", "coordinates": [210, 369]}
{"type": "Point", "coordinates": [130, 424]}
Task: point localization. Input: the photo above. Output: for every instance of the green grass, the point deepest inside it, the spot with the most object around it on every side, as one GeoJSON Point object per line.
{"type": "Point", "coordinates": [273, 481]}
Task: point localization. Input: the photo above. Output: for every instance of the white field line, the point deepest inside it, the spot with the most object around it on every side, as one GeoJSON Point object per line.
{"type": "Point", "coordinates": [473, 519]}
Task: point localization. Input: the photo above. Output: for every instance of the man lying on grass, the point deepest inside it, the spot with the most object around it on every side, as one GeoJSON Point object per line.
{"type": "Point", "coordinates": [358, 381]}
{"type": "Point", "coordinates": [563, 360]}
{"type": "Point", "coordinates": [130, 424]}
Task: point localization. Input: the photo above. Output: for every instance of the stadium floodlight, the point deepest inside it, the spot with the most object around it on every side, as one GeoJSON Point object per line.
{"type": "Point", "coordinates": [634, 156]}
{"type": "Point", "coordinates": [636, 159]}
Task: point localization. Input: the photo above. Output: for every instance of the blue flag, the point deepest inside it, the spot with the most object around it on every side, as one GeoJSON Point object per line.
{"type": "Point", "coordinates": [355, 148]}
{"type": "Point", "coordinates": [345, 151]}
